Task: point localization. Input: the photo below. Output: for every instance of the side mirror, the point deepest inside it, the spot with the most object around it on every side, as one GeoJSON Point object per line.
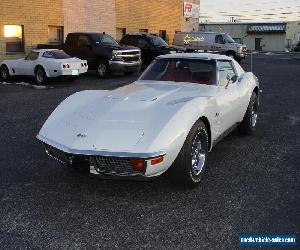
{"type": "Point", "coordinates": [230, 79]}
{"type": "Point", "coordinates": [234, 78]}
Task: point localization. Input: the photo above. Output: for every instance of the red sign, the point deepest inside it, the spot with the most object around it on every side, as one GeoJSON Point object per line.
{"type": "Point", "coordinates": [191, 10]}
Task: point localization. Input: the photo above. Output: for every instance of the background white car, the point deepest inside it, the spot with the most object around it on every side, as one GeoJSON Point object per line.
{"type": "Point", "coordinates": [168, 120]}
{"type": "Point", "coordinates": [43, 64]}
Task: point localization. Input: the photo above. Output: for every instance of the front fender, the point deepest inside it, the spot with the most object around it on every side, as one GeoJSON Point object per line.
{"type": "Point", "coordinates": [174, 133]}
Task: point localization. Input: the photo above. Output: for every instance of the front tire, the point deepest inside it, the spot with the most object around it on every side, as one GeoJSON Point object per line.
{"type": "Point", "coordinates": [102, 69]}
{"type": "Point", "coordinates": [4, 73]}
{"type": "Point", "coordinates": [40, 76]}
{"type": "Point", "coordinates": [248, 125]}
{"type": "Point", "coordinates": [191, 162]}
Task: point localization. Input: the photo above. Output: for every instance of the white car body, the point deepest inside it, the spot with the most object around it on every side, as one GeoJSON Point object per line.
{"type": "Point", "coordinates": [53, 67]}
{"type": "Point", "coordinates": [147, 119]}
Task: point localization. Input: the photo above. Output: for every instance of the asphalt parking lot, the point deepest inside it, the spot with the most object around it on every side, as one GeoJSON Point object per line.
{"type": "Point", "coordinates": [252, 185]}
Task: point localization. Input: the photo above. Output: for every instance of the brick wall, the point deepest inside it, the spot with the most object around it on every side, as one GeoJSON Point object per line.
{"type": "Point", "coordinates": [154, 16]}
{"type": "Point", "coordinates": [35, 16]}
{"type": "Point", "coordinates": [90, 16]}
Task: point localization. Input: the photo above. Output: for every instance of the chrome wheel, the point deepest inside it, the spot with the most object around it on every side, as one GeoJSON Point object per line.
{"type": "Point", "coordinates": [40, 76]}
{"type": "Point", "coordinates": [101, 70]}
{"type": "Point", "coordinates": [253, 118]}
{"type": "Point", "coordinates": [254, 115]}
{"type": "Point", "coordinates": [198, 156]}
{"type": "Point", "coordinates": [191, 162]}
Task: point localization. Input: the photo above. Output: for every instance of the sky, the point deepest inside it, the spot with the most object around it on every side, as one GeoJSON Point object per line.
{"type": "Point", "coordinates": [249, 10]}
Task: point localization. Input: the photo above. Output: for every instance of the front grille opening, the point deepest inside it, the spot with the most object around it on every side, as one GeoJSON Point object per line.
{"type": "Point", "coordinates": [131, 59]}
{"type": "Point", "coordinates": [113, 166]}
{"type": "Point", "coordinates": [130, 53]}
{"type": "Point", "coordinates": [105, 165]}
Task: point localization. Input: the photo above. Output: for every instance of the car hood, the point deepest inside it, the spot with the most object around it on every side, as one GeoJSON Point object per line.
{"type": "Point", "coordinates": [120, 119]}
{"type": "Point", "coordinates": [238, 45]}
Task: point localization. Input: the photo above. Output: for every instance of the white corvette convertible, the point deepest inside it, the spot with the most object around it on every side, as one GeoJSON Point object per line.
{"type": "Point", "coordinates": [43, 64]}
{"type": "Point", "coordinates": [167, 121]}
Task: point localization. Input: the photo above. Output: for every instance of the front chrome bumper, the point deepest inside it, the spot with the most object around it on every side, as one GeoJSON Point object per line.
{"type": "Point", "coordinates": [121, 66]}
{"type": "Point", "coordinates": [100, 162]}
{"type": "Point", "coordinates": [98, 153]}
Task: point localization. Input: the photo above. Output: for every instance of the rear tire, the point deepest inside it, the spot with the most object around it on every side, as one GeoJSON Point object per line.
{"type": "Point", "coordinates": [191, 162]}
{"type": "Point", "coordinates": [102, 69]}
{"type": "Point", "coordinates": [248, 125]}
{"type": "Point", "coordinates": [40, 76]}
{"type": "Point", "coordinates": [4, 73]}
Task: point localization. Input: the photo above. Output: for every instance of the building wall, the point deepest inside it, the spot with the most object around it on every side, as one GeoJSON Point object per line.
{"type": "Point", "coordinates": [293, 32]}
{"type": "Point", "coordinates": [269, 42]}
{"type": "Point", "coordinates": [90, 16]}
{"type": "Point", "coordinates": [35, 16]}
{"type": "Point", "coordinates": [154, 16]}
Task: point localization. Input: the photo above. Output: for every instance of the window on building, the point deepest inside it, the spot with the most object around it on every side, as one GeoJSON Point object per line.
{"type": "Point", "coordinates": [14, 38]}
{"type": "Point", "coordinates": [163, 34]}
{"type": "Point", "coordinates": [55, 35]}
{"type": "Point", "coordinates": [143, 30]}
{"type": "Point", "coordinates": [121, 32]}
{"type": "Point", "coordinates": [289, 43]}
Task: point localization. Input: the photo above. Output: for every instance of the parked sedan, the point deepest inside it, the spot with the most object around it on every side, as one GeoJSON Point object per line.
{"type": "Point", "coordinates": [168, 120]}
{"type": "Point", "coordinates": [44, 64]}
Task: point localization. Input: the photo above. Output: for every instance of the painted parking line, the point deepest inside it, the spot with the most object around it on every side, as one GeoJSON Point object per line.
{"type": "Point", "coordinates": [38, 87]}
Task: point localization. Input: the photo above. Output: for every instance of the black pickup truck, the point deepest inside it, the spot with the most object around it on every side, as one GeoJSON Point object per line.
{"type": "Point", "coordinates": [102, 53]}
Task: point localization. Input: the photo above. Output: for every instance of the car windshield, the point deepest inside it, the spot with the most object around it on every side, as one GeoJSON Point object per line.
{"type": "Point", "coordinates": [228, 39]}
{"type": "Point", "coordinates": [56, 54]}
{"type": "Point", "coordinates": [105, 40]}
{"type": "Point", "coordinates": [181, 70]}
{"type": "Point", "coordinates": [159, 42]}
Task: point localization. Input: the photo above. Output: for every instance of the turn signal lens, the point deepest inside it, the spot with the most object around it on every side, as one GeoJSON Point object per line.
{"type": "Point", "coordinates": [138, 165]}
{"type": "Point", "coordinates": [157, 160]}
